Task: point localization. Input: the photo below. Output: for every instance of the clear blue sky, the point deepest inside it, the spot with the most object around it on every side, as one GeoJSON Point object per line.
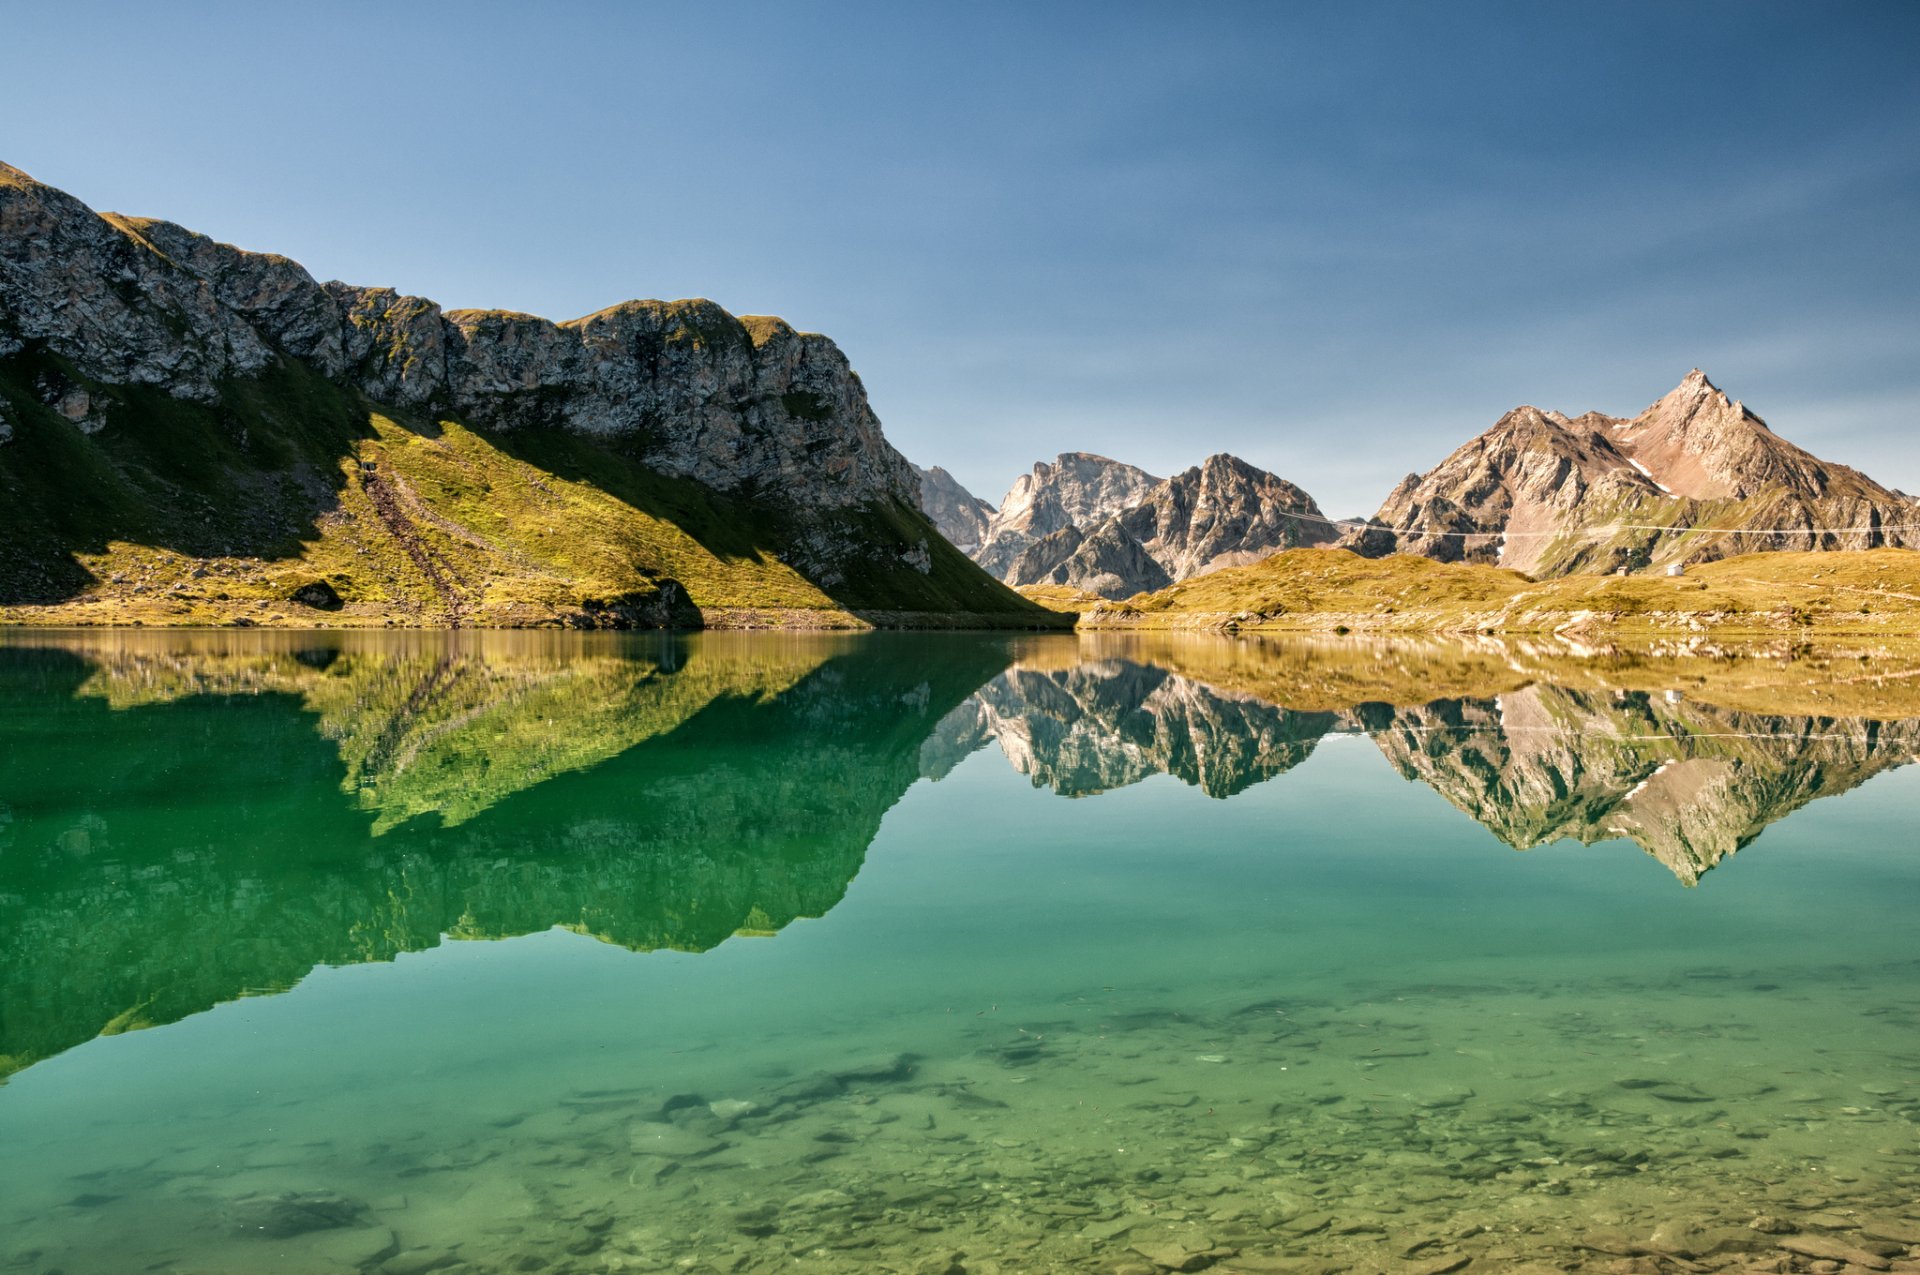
{"type": "Point", "coordinates": [1336, 239]}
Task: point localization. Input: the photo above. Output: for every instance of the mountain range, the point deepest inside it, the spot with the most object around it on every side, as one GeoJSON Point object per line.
{"type": "Point", "coordinates": [191, 432]}
{"type": "Point", "coordinates": [1695, 477]}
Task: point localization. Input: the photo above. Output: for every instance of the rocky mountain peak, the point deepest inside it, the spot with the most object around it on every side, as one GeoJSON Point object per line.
{"type": "Point", "coordinates": [1696, 442]}
{"type": "Point", "coordinates": [1545, 493]}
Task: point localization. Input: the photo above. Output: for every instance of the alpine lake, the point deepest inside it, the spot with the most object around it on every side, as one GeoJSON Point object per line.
{"type": "Point", "coordinates": [468, 952]}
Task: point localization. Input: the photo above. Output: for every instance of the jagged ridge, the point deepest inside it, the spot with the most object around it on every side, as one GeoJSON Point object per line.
{"type": "Point", "coordinates": [1101, 527]}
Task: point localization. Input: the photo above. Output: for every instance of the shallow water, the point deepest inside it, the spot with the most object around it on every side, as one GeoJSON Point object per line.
{"type": "Point", "coordinates": [556, 953]}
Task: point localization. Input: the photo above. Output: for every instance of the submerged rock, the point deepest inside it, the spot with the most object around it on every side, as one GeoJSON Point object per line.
{"type": "Point", "coordinates": [294, 1213]}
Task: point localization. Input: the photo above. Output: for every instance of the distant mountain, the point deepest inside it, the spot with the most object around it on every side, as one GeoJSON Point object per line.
{"type": "Point", "coordinates": [1096, 525]}
{"type": "Point", "coordinates": [1078, 490]}
{"type": "Point", "coordinates": [960, 516]}
{"type": "Point", "coordinates": [1695, 477]}
{"type": "Point", "coordinates": [193, 433]}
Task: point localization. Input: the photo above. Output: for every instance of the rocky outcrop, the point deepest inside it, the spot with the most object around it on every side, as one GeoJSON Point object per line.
{"type": "Point", "coordinates": [1221, 513]}
{"type": "Point", "coordinates": [960, 516]}
{"type": "Point", "coordinates": [1107, 561]}
{"type": "Point", "coordinates": [1697, 476]}
{"type": "Point", "coordinates": [740, 404]}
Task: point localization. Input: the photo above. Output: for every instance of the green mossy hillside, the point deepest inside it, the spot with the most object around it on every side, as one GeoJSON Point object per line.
{"type": "Point", "coordinates": [122, 505]}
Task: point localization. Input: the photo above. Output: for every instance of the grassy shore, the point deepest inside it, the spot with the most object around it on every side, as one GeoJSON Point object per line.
{"type": "Point", "coordinates": [1868, 595]}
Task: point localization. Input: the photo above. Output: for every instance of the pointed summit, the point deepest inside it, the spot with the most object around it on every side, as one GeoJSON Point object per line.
{"type": "Point", "coordinates": [1546, 494]}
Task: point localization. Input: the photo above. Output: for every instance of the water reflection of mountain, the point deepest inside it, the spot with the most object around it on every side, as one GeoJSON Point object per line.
{"type": "Point", "coordinates": [187, 819]}
{"type": "Point", "coordinates": [1109, 723]}
{"type": "Point", "coordinates": [1689, 781]}
{"type": "Point", "coordinates": [177, 834]}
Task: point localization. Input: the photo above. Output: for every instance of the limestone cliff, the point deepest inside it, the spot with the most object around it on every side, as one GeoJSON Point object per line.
{"type": "Point", "coordinates": [1695, 477]}
{"type": "Point", "coordinates": [222, 397]}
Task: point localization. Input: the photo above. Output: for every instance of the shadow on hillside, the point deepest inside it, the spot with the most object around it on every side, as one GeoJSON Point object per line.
{"type": "Point", "coordinates": [86, 466]}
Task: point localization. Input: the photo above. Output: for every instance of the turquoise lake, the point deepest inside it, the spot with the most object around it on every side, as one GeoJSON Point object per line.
{"type": "Point", "coordinates": [579, 953]}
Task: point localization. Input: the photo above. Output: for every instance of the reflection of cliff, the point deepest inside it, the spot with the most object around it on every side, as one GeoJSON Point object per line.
{"type": "Point", "coordinates": [158, 859]}
{"type": "Point", "coordinates": [1689, 782]}
{"type": "Point", "coordinates": [1105, 724]}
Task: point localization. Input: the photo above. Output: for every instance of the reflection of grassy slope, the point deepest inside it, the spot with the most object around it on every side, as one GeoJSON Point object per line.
{"type": "Point", "coordinates": [1326, 673]}
{"type": "Point", "coordinates": [179, 513]}
{"type": "Point", "coordinates": [449, 732]}
{"type": "Point", "coordinates": [162, 858]}
{"type": "Point", "coordinates": [1867, 593]}
{"type": "Point", "coordinates": [452, 736]}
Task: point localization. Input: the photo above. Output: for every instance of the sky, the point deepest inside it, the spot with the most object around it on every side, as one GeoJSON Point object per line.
{"type": "Point", "coordinates": [1336, 239]}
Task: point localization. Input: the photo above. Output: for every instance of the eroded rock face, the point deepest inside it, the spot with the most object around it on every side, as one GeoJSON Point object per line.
{"type": "Point", "coordinates": [1693, 478]}
{"type": "Point", "coordinates": [741, 404]}
{"type": "Point", "coordinates": [1058, 529]}
{"type": "Point", "coordinates": [961, 516]}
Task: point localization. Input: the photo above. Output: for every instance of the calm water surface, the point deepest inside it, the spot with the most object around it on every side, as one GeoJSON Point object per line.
{"type": "Point", "coordinates": [481, 953]}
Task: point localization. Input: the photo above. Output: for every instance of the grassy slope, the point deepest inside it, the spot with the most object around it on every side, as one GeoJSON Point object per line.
{"type": "Point", "coordinates": [1866, 593]}
{"type": "Point", "coordinates": [179, 513]}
